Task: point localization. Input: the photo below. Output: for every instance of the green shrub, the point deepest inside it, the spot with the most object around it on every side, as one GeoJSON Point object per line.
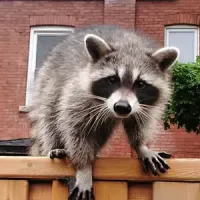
{"type": "Point", "coordinates": [184, 107]}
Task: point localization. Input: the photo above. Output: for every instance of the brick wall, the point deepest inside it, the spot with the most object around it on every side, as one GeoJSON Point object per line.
{"type": "Point", "coordinates": [16, 17]}
{"type": "Point", "coordinates": [179, 143]}
{"type": "Point", "coordinates": [120, 12]}
{"type": "Point", "coordinates": [175, 141]}
{"type": "Point", "coordinates": [152, 16]}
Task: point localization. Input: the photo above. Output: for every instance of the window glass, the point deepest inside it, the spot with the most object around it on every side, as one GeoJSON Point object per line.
{"type": "Point", "coordinates": [45, 43]}
{"type": "Point", "coordinates": [186, 40]}
{"type": "Point", "coordinates": [42, 41]}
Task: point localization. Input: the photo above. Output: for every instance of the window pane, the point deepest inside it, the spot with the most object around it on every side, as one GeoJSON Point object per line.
{"type": "Point", "coordinates": [45, 44]}
{"type": "Point", "coordinates": [185, 41]}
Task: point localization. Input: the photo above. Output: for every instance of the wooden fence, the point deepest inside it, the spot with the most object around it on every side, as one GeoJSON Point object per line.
{"type": "Point", "coordinates": [33, 178]}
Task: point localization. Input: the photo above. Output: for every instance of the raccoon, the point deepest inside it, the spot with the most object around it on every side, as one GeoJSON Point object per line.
{"type": "Point", "coordinates": [98, 77]}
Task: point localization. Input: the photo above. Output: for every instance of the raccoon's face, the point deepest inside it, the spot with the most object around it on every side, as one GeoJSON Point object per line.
{"type": "Point", "coordinates": [129, 84]}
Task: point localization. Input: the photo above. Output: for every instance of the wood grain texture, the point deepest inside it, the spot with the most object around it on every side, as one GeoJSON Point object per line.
{"type": "Point", "coordinates": [176, 191]}
{"type": "Point", "coordinates": [14, 190]}
{"type": "Point", "coordinates": [40, 191]}
{"type": "Point", "coordinates": [139, 191]}
{"type": "Point", "coordinates": [104, 169]}
{"type": "Point", "coordinates": [34, 168]}
{"type": "Point", "coordinates": [110, 190]}
{"type": "Point", "coordinates": [59, 191]}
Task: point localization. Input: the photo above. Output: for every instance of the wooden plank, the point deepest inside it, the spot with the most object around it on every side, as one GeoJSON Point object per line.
{"type": "Point", "coordinates": [104, 169]}
{"type": "Point", "coordinates": [59, 191]}
{"type": "Point", "coordinates": [34, 167]}
{"type": "Point", "coordinates": [175, 191]}
{"type": "Point", "coordinates": [111, 190]}
{"type": "Point", "coordinates": [139, 191]}
{"type": "Point", "coordinates": [14, 190]}
{"type": "Point", "coordinates": [40, 191]}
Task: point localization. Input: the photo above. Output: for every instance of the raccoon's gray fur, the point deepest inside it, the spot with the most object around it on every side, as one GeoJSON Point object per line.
{"type": "Point", "coordinates": [96, 78]}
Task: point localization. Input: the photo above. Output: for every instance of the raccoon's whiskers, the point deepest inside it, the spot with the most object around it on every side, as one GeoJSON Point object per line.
{"type": "Point", "coordinates": [142, 122]}
{"type": "Point", "coordinates": [96, 120]}
{"type": "Point", "coordinates": [145, 114]}
{"type": "Point", "coordinates": [103, 116]}
{"type": "Point", "coordinates": [100, 116]}
{"type": "Point", "coordinates": [142, 116]}
{"type": "Point", "coordinates": [75, 106]}
{"type": "Point", "coordinates": [94, 97]}
{"type": "Point", "coordinates": [146, 111]}
{"type": "Point", "coordinates": [91, 113]}
{"type": "Point", "coordinates": [97, 111]}
{"type": "Point", "coordinates": [137, 117]}
{"type": "Point", "coordinates": [107, 114]}
{"type": "Point", "coordinates": [147, 107]}
{"type": "Point", "coordinates": [90, 109]}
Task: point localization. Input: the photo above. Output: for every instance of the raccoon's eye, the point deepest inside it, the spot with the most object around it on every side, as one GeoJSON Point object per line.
{"type": "Point", "coordinates": [141, 84]}
{"type": "Point", "coordinates": [113, 79]}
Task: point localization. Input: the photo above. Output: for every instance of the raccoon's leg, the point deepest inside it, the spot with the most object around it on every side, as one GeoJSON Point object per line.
{"type": "Point", "coordinates": [81, 154]}
{"type": "Point", "coordinates": [44, 138]}
{"type": "Point", "coordinates": [34, 148]}
{"type": "Point", "coordinates": [83, 189]}
{"type": "Point", "coordinates": [151, 160]}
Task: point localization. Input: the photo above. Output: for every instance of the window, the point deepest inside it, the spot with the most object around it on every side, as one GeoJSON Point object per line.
{"type": "Point", "coordinates": [42, 40]}
{"type": "Point", "coordinates": [186, 39]}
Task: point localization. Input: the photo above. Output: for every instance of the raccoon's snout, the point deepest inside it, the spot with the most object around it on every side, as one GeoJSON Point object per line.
{"type": "Point", "coordinates": [122, 108]}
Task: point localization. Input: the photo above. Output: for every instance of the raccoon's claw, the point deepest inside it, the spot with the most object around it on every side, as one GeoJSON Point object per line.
{"type": "Point", "coordinates": [164, 155]}
{"type": "Point", "coordinates": [155, 163]}
{"type": "Point", "coordinates": [58, 153]}
{"type": "Point", "coordinates": [81, 195]}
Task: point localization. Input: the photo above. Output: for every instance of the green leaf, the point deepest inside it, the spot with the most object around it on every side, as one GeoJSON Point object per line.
{"type": "Point", "coordinates": [184, 106]}
{"type": "Point", "coordinates": [198, 59]}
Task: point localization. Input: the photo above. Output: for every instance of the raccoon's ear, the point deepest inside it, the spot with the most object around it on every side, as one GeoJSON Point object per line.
{"type": "Point", "coordinates": [96, 47]}
{"type": "Point", "coordinates": [166, 57]}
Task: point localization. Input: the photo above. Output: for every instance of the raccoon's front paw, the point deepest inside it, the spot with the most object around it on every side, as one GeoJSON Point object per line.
{"type": "Point", "coordinates": [58, 153]}
{"type": "Point", "coordinates": [77, 194]}
{"type": "Point", "coordinates": [154, 161]}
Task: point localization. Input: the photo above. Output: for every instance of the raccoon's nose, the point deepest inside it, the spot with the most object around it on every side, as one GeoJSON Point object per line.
{"type": "Point", "coordinates": [122, 108]}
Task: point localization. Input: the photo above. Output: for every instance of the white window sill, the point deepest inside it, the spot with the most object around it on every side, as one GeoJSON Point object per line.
{"type": "Point", "coordinates": [23, 109]}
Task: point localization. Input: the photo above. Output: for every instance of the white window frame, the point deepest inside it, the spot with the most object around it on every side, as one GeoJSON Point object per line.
{"type": "Point", "coordinates": [183, 28]}
{"type": "Point", "coordinates": [35, 32]}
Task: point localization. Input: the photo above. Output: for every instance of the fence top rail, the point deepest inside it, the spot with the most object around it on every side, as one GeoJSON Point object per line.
{"type": "Point", "coordinates": [103, 169]}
